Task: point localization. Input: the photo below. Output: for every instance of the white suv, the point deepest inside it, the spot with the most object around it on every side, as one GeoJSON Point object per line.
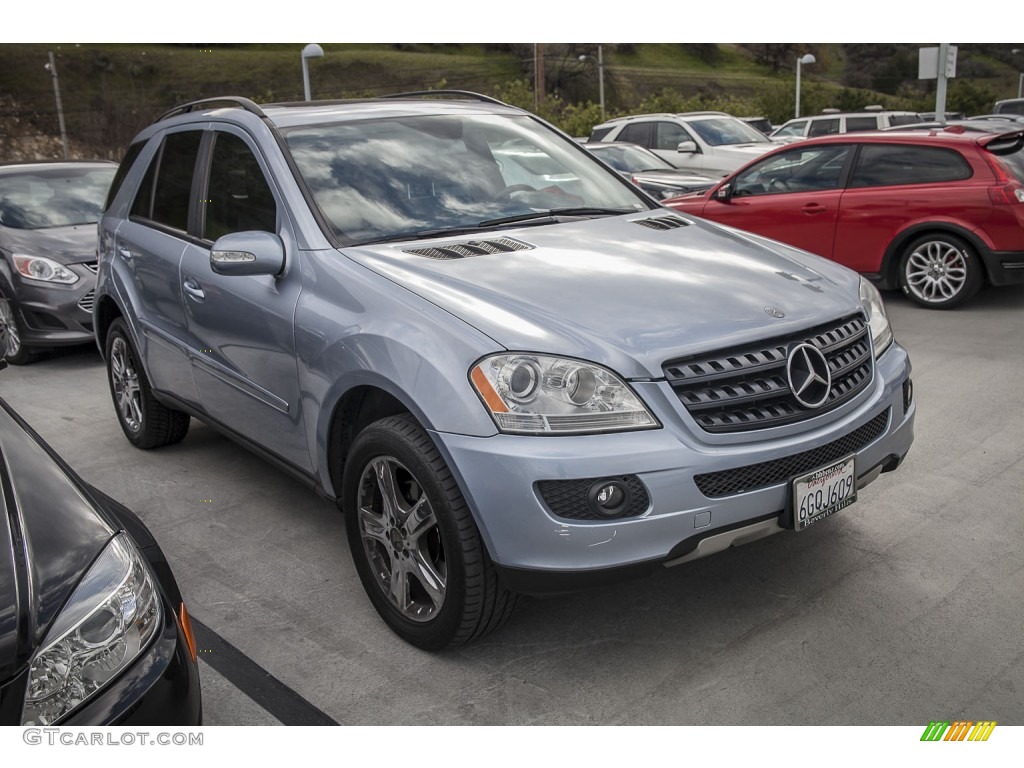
{"type": "Point", "coordinates": [712, 143]}
{"type": "Point", "coordinates": [832, 121]}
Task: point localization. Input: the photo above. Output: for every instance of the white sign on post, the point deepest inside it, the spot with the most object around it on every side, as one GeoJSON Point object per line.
{"type": "Point", "coordinates": [928, 63]}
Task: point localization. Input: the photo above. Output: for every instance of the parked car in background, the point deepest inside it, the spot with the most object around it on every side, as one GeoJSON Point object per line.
{"type": "Point", "coordinates": [711, 143]}
{"type": "Point", "coordinates": [508, 388]}
{"type": "Point", "coordinates": [48, 215]}
{"type": "Point", "coordinates": [935, 213]}
{"type": "Point", "coordinates": [1009, 107]}
{"type": "Point", "coordinates": [832, 121]}
{"type": "Point", "coordinates": [93, 629]}
{"type": "Point", "coordinates": [655, 176]}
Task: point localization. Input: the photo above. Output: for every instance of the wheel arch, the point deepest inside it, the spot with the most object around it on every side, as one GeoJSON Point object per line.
{"type": "Point", "coordinates": [889, 275]}
{"type": "Point", "coordinates": [105, 313]}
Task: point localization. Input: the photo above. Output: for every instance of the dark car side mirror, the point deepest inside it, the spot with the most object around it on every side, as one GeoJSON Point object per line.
{"type": "Point", "coordinates": [248, 253]}
{"type": "Point", "coordinates": [688, 147]}
{"type": "Point", "coordinates": [724, 193]}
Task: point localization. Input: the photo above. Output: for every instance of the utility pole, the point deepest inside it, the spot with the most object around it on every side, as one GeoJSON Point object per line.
{"type": "Point", "coordinates": [52, 66]}
{"type": "Point", "coordinates": [538, 74]}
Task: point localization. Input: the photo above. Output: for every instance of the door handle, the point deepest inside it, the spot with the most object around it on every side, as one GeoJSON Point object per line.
{"type": "Point", "coordinates": [193, 289]}
{"type": "Point", "coordinates": [812, 208]}
{"type": "Point", "coordinates": [126, 253]}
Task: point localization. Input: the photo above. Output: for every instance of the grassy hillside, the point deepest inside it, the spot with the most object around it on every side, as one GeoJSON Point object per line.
{"type": "Point", "coordinates": [111, 91]}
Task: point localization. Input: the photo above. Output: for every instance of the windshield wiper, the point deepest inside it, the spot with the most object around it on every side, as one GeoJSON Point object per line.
{"type": "Point", "coordinates": [553, 214]}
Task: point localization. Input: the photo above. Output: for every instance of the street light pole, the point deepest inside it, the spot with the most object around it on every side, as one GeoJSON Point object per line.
{"type": "Point", "coordinates": [52, 67]}
{"type": "Point", "coordinates": [311, 51]}
{"type": "Point", "coordinates": [600, 75]}
{"type": "Point", "coordinates": [807, 58]}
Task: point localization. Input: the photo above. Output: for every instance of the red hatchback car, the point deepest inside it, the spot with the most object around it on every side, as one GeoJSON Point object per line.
{"type": "Point", "coordinates": [936, 213]}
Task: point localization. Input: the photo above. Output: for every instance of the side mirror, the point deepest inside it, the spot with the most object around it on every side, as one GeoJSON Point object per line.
{"type": "Point", "coordinates": [724, 193]}
{"type": "Point", "coordinates": [688, 147]}
{"type": "Point", "coordinates": [248, 253]}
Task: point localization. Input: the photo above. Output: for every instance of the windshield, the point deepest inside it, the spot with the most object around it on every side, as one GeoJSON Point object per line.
{"type": "Point", "coordinates": [38, 198]}
{"type": "Point", "coordinates": [718, 131]}
{"type": "Point", "coordinates": [631, 159]}
{"type": "Point", "coordinates": [420, 175]}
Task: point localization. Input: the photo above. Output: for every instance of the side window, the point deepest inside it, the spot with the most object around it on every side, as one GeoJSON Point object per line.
{"type": "Point", "coordinates": [825, 126]}
{"type": "Point", "coordinates": [238, 198]}
{"type": "Point", "coordinates": [598, 134]}
{"type": "Point", "coordinates": [167, 186]}
{"type": "Point", "coordinates": [122, 171]}
{"type": "Point", "coordinates": [670, 136]}
{"type": "Point", "coordinates": [861, 124]}
{"type": "Point", "coordinates": [800, 170]}
{"type": "Point", "coordinates": [889, 164]}
{"type": "Point", "coordinates": [793, 129]}
{"type": "Point", "coordinates": [637, 133]}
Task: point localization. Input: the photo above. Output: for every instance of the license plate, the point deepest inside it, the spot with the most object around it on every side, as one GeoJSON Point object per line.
{"type": "Point", "coordinates": [824, 492]}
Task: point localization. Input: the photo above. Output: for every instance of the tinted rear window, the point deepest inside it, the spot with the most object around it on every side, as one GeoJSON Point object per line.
{"type": "Point", "coordinates": [889, 164]}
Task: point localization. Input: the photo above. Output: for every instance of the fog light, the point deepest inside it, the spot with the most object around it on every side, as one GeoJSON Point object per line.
{"type": "Point", "coordinates": [908, 394]}
{"type": "Point", "coordinates": [608, 498]}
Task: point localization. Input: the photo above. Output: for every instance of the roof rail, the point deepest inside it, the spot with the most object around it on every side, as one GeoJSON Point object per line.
{"type": "Point", "coordinates": [445, 92]}
{"type": "Point", "coordinates": [239, 101]}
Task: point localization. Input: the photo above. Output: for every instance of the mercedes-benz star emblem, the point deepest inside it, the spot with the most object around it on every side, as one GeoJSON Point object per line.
{"type": "Point", "coordinates": [774, 312]}
{"type": "Point", "coordinates": [809, 377]}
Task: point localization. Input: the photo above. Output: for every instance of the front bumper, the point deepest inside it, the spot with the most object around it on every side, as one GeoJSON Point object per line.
{"type": "Point", "coordinates": [54, 315]}
{"type": "Point", "coordinates": [536, 551]}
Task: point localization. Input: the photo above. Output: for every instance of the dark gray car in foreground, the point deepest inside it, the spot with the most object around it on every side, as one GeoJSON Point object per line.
{"type": "Point", "coordinates": [48, 215]}
{"type": "Point", "coordinates": [513, 370]}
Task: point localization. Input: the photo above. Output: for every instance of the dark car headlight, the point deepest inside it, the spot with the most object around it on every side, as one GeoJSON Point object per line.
{"type": "Point", "coordinates": [109, 620]}
{"type": "Point", "coordinates": [41, 268]}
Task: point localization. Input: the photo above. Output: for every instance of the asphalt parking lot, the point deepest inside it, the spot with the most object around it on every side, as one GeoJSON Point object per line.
{"type": "Point", "coordinates": [903, 608]}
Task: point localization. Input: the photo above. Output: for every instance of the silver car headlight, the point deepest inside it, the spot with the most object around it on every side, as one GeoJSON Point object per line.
{"type": "Point", "coordinates": [40, 268]}
{"type": "Point", "coordinates": [109, 620]}
{"type": "Point", "coordinates": [542, 395]}
{"type": "Point", "coordinates": [881, 331]}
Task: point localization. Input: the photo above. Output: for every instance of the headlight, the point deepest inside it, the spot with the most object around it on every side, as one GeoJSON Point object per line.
{"type": "Point", "coordinates": [47, 270]}
{"type": "Point", "coordinates": [537, 394]}
{"type": "Point", "coordinates": [881, 331]}
{"type": "Point", "coordinates": [112, 615]}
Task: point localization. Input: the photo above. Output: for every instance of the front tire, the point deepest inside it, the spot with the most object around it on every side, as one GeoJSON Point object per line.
{"type": "Point", "coordinates": [414, 542]}
{"type": "Point", "coordinates": [13, 349]}
{"type": "Point", "coordinates": [940, 271]}
{"type": "Point", "coordinates": [145, 421]}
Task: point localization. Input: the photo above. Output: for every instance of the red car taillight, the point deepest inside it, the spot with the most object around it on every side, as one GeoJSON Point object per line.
{"type": "Point", "coordinates": [1007, 193]}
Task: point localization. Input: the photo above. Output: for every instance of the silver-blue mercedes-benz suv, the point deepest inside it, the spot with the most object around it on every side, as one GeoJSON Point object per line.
{"type": "Point", "coordinates": [512, 369]}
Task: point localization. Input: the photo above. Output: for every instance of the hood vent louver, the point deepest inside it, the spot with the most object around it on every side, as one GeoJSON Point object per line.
{"type": "Point", "coordinates": [663, 222]}
{"type": "Point", "coordinates": [470, 248]}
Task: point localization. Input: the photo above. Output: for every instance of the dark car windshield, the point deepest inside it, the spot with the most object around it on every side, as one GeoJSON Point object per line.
{"type": "Point", "coordinates": [719, 131]}
{"type": "Point", "coordinates": [383, 178]}
{"type": "Point", "coordinates": [38, 198]}
{"type": "Point", "coordinates": [631, 159]}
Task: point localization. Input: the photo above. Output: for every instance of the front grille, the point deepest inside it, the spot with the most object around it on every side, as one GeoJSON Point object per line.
{"type": "Point", "coordinates": [85, 303]}
{"type": "Point", "coordinates": [568, 498]}
{"type": "Point", "coordinates": [471, 248]}
{"type": "Point", "coordinates": [746, 387]}
{"type": "Point", "coordinates": [768, 473]}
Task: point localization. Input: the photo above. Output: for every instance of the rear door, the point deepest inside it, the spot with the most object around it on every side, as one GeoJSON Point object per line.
{"type": "Point", "coordinates": [895, 186]}
{"type": "Point", "coordinates": [148, 247]}
{"type": "Point", "coordinates": [792, 196]}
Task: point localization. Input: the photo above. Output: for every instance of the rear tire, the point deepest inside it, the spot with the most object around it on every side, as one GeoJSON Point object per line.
{"type": "Point", "coordinates": [414, 542]}
{"type": "Point", "coordinates": [145, 421]}
{"type": "Point", "coordinates": [940, 271]}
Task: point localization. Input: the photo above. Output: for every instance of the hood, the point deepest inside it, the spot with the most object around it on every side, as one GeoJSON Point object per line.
{"type": "Point", "coordinates": [49, 535]}
{"type": "Point", "coordinates": [674, 177]}
{"type": "Point", "coordinates": [66, 245]}
{"type": "Point", "coordinates": [617, 292]}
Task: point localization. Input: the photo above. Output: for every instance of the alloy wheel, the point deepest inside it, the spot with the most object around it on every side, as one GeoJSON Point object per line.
{"type": "Point", "coordinates": [9, 329]}
{"type": "Point", "coordinates": [936, 271]}
{"type": "Point", "coordinates": [400, 534]}
{"type": "Point", "coordinates": [125, 382]}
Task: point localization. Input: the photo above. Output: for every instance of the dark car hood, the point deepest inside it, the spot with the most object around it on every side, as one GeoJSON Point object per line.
{"type": "Point", "coordinates": [49, 535]}
{"type": "Point", "coordinates": [67, 245]}
{"type": "Point", "coordinates": [616, 292]}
